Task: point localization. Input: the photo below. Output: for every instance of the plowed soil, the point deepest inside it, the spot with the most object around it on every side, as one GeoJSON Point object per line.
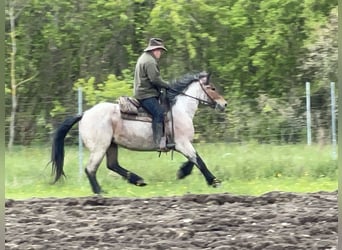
{"type": "Point", "coordinates": [275, 220]}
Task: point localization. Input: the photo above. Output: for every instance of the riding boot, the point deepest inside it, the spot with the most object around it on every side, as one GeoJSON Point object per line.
{"type": "Point", "coordinates": [158, 138]}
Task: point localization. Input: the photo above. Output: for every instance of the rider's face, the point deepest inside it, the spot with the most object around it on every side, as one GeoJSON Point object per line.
{"type": "Point", "coordinates": [157, 53]}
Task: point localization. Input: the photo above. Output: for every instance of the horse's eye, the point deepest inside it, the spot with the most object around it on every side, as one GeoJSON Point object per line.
{"type": "Point", "coordinates": [213, 88]}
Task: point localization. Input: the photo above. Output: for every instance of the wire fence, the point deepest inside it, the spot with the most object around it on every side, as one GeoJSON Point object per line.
{"type": "Point", "coordinates": [299, 119]}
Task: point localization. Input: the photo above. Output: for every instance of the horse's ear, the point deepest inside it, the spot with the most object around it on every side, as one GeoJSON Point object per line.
{"type": "Point", "coordinates": [208, 77]}
{"type": "Point", "coordinates": [205, 75]}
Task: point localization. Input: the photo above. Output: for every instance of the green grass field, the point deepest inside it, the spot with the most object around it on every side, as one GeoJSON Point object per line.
{"type": "Point", "coordinates": [244, 169]}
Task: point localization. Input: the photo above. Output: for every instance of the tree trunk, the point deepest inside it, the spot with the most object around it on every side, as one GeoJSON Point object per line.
{"type": "Point", "coordinates": [14, 84]}
{"type": "Point", "coordinates": [13, 79]}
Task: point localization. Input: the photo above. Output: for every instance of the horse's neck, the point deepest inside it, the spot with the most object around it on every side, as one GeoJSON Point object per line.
{"type": "Point", "coordinates": [186, 104]}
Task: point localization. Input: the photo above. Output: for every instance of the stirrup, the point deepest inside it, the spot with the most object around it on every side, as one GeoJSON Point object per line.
{"type": "Point", "coordinates": [170, 145]}
{"type": "Point", "coordinates": [163, 146]}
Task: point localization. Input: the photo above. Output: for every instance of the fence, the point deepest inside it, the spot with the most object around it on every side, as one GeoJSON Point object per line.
{"type": "Point", "coordinates": [333, 117]}
{"type": "Point", "coordinates": [310, 118]}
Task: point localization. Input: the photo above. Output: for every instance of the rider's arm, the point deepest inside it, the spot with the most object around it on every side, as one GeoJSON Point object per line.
{"type": "Point", "coordinates": [153, 74]}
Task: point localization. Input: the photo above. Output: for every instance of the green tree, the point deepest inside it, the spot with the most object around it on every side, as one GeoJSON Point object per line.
{"type": "Point", "coordinates": [320, 62]}
{"type": "Point", "coordinates": [252, 48]}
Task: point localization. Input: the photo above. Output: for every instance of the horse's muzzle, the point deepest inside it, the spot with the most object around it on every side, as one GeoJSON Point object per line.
{"type": "Point", "coordinates": [220, 106]}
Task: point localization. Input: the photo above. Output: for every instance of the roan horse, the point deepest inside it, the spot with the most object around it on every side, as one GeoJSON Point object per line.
{"type": "Point", "coordinates": [103, 129]}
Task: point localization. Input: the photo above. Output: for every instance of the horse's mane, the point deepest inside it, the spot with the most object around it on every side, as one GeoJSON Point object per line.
{"type": "Point", "coordinates": [181, 83]}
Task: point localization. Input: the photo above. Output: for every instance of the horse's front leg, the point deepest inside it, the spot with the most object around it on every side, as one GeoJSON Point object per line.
{"type": "Point", "coordinates": [185, 169]}
{"type": "Point", "coordinates": [189, 151]}
{"type": "Point", "coordinates": [209, 177]}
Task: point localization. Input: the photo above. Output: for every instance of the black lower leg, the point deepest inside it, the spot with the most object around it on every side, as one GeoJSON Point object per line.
{"type": "Point", "coordinates": [93, 182]}
{"type": "Point", "coordinates": [185, 169]}
{"type": "Point", "coordinates": [210, 178]}
{"type": "Point", "coordinates": [113, 164]}
{"type": "Point", "coordinates": [131, 177]}
{"type": "Point", "coordinates": [135, 179]}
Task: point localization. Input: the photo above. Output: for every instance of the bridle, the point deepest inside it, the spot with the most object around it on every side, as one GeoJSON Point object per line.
{"type": "Point", "coordinates": [211, 102]}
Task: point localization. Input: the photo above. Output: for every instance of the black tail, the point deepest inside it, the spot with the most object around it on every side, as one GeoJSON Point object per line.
{"type": "Point", "coordinates": [57, 152]}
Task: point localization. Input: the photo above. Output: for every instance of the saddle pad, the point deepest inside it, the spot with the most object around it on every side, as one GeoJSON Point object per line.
{"type": "Point", "coordinates": [131, 110]}
{"type": "Point", "coordinates": [128, 105]}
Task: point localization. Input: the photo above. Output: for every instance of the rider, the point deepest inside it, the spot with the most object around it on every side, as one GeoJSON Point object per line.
{"type": "Point", "coordinates": [147, 87]}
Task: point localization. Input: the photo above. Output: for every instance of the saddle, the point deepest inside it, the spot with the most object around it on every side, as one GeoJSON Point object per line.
{"type": "Point", "coordinates": [131, 109]}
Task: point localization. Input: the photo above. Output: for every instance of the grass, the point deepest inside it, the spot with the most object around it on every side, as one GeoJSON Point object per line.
{"type": "Point", "coordinates": [245, 170]}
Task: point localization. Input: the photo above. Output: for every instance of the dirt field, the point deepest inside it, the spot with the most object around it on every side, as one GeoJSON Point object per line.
{"type": "Point", "coordinates": [275, 220]}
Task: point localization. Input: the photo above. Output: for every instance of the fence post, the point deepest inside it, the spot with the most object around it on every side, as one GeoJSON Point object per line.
{"type": "Point", "coordinates": [80, 145]}
{"type": "Point", "coordinates": [308, 114]}
{"type": "Point", "coordinates": [333, 121]}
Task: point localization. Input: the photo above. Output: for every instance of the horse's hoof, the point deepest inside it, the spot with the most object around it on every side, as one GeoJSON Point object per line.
{"type": "Point", "coordinates": [216, 183]}
{"type": "Point", "coordinates": [180, 175]}
{"type": "Point", "coordinates": [140, 183]}
{"type": "Point", "coordinates": [100, 193]}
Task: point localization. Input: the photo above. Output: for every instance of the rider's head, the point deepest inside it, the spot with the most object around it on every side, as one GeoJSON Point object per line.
{"type": "Point", "coordinates": [156, 47]}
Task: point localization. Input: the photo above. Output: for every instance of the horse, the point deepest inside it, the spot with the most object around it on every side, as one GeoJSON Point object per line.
{"type": "Point", "coordinates": [103, 129]}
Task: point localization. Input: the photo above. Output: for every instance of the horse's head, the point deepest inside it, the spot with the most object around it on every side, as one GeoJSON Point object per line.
{"type": "Point", "coordinates": [210, 95]}
{"type": "Point", "coordinates": [204, 92]}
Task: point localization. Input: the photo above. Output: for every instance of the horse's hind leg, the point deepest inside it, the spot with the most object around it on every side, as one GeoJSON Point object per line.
{"type": "Point", "coordinates": [113, 164]}
{"type": "Point", "coordinates": [91, 169]}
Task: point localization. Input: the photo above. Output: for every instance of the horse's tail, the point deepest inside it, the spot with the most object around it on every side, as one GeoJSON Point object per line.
{"type": "Point", "coordinates": [57, 152]}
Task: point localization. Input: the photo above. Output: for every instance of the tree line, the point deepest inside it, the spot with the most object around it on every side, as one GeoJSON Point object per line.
{"type": "Point", "coordinates": [260, 52]}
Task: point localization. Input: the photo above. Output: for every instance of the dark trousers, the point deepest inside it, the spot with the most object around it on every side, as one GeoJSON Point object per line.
{"type": "Point", "coordinates": [154, 108]}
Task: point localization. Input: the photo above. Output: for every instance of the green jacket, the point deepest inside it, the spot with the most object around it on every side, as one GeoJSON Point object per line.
{"type": "Point", "coordinates": [147, 79]}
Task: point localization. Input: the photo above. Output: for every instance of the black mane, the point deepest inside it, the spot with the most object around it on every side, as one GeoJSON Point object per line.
{"type": "Point", "coordinates": [182, 83]}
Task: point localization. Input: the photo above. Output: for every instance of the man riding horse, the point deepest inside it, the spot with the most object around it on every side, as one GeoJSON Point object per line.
{"type": "Point", "coordinates": [147, 88]}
